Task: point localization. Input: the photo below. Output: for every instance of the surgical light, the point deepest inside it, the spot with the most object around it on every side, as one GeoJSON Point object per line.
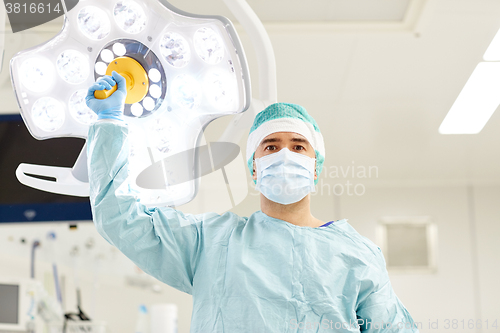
{"type": "Point", "coordinates": [219, 90]}
{"type": "Point", "coordinates": [37, 74]}
{"type": "Point", "coordinates": [182, 72]}
{"type": "Point", "coordinates": [476, 103]}
{"type": "Point", "coordinates": [208, 45]}
{"type": "Point", "coordinates": [136, 109]}
{"type": "Point", "coordinates": [79, 109]}
{"type": "Point", "coordinates": [175, 49]}
{"type": "Point", "coordinates": [93, 22]}
{"type": "Point", "coordinates": [72, 66]}
{"type": "Point", "coordinates": [154, 75]}
{"type": "Point", "coordinates": [100, 68]}
{"type": "Point", "coordinates": [161, 139]}
{"type": "Point", "coordinates": [119, 49]}
{"type": "Point", "coordinates": [186, 91]}
{"type": "Point", "coordinates": [130, 16]}
{"type": "Point", "coordinates": [48, 114]}
{"type": "Point", "coordinates": [155, 90]}
{"type": "Point", "coordinates": [148, 103]}
{"type": "Point", "coordinates": [107, 56]}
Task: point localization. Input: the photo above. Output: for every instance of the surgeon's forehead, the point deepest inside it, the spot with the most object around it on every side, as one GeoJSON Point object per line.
{"type": "Point", "coordinates": [284, 136]}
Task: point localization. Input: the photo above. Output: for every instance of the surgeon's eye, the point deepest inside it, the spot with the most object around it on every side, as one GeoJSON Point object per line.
{"type": "Point", "coordinates": [299, 147]}
{"type": "Point", "coordinates": [270, 148]}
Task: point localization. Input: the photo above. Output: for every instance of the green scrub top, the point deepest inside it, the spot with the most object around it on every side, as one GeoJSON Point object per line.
{"type": "Point", "coordinates": [246, 274]}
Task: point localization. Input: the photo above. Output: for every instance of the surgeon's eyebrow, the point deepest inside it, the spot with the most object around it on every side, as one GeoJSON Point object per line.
{"type": "Point", "coordinates": [299, 140]}
{"type": "Point", "coordinates": [269, 141]}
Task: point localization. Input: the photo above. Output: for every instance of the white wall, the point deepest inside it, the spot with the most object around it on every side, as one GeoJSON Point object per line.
{"type": "Point", "coordinates": [487, 218]}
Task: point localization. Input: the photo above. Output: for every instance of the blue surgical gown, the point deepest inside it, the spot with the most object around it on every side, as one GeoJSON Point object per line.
{"type": "Point", "coordinates": [255, 274]}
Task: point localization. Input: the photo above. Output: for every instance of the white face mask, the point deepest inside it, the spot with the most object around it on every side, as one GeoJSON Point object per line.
{"type": "Point", "coordinates": [285, 177]}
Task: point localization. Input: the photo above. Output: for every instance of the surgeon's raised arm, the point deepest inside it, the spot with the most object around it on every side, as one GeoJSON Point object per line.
{"type": "Point", "coordinates": [378, 307]}
{"type": "Point", "coordinates": [163, 242]}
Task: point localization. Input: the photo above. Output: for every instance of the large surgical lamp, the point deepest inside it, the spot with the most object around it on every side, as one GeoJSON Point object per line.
{"type": "Point", "coordinates": [182, 72]}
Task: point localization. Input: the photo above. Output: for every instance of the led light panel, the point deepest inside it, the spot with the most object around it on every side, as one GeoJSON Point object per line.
{"type": "Point", "coordinates": [194, 72]}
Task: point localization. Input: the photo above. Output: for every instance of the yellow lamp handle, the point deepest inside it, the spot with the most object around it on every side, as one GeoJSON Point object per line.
{"type": "Point", "coordinates": [103, 94]}
{"type": "Point", "coordinates": [136, 78]}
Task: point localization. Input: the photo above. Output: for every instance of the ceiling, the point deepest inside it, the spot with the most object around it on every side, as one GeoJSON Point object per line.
{"type": "Point", "coordinates": [310, 10]}
{"type": "Point", "coordinates": [378, 88]}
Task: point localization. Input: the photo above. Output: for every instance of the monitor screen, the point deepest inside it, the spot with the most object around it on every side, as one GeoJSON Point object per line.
{"type": "Point", "coordinates": [20, 203]}
{"type": "Point", "coordinates": [9, 304]}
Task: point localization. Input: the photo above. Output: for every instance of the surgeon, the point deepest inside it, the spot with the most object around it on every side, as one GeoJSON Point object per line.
{"type": "Point", "coordinates": [279, 270]}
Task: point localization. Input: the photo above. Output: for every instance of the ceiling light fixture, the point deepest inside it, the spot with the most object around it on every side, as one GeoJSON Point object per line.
{"type": "Point", "coordinates": [476, 103]}
{"type": "Point", "coordinates": [479, 98]}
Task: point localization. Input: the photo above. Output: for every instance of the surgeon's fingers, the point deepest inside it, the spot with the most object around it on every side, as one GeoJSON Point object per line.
{"type": "Point", "coordinates": [90, 93]}
{"type": "Point", "coordinates": [90, 97]}
{"type": "Point", "coordinates": [107, 81]}
{"type": "Point", "coordinates": [97, 86]}
{"type": "Point", "coordinates": [107, 78]}
{"type": "Point", "coordinates": [122, 83]}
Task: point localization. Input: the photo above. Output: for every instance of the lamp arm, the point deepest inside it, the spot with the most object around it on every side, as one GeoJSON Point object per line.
{"type": "Point", "coordinates": [262, 45]}
{"type": "Point", "coordinates": [242, 122]}
{"type": "Point", "coordinates": [266, 62]}
{"type": "Point", "coordinates": [68, 181]}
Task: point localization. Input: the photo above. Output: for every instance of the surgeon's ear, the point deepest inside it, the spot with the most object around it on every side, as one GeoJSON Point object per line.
{"type": "Point", "coordinates": [254, 174]}
{"type": "Point", "coordinates": [315, 175]}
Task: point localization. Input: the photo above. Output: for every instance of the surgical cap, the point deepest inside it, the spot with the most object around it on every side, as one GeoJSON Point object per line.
{"type": "Point", "coordinates": [284, 117]}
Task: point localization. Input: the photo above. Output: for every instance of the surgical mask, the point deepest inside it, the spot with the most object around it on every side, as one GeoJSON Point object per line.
{"type": "Point", "coordinates": [285, 177]}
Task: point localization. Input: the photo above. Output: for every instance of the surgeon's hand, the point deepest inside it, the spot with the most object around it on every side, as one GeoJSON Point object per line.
{"type": "Point", "coordinates": [111, 107]}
